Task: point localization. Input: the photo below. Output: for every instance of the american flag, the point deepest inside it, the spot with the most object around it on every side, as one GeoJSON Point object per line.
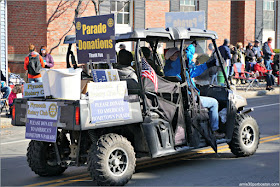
{"type": "Point", "coordinates": [149, 72]}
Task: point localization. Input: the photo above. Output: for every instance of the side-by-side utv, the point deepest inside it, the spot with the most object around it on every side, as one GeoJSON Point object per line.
{"type": "Point", "coordinates": [163, 121]}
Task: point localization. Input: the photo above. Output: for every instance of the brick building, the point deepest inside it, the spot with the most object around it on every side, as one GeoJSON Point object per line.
{"type": "Point", "coordinates": [47, 22]}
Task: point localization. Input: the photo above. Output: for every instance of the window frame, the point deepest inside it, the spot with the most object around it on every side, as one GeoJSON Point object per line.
{"type": "Point", "coordinates": [123, 12]}
{"type": "Point", "coordinates": [269, 8]}
{"type": "Point", "coordinates": [189, 4]}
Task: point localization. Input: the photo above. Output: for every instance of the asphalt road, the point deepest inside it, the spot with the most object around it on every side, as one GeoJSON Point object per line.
{"type": "Point", "coordinates": [200, 169]}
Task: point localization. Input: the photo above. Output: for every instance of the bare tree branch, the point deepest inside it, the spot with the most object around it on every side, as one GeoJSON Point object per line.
{"type": "Point", "coordinates": [60, 9]}
{"type": "Point", "coordinates": [77, 13]}
{"type": "Point", "coordinates": [95, 6]}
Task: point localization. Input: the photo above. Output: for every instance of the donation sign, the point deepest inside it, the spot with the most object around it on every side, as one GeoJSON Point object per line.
{"type": "Point", "coordinates": [95, 39]}
{"type": "Point", "coordinates": [41, 121]}
{"type": "Point", "coordinates": [105, 75]}
{"type": "Point", "coordinates": [107, 101]}
{"type": "Point", "coordinates": [33, 89]}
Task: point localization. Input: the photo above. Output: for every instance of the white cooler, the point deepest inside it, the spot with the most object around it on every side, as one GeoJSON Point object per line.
{"type": "Point", "coordinates": [62, 83]}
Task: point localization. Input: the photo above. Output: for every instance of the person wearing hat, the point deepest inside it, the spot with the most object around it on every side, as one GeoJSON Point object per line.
{"type": "Point", "coordinates": [148, 55]}
{"type": "Point", "coordinates": [172, 64]}
{"type": "Point", "coordinates": [256, 49]}
{"type": "Point", "coordinates": [260, 67]}
{"type": "Point", "coordinates": [250, 57]}
{"type": "Point", "coordinates": [124, 57]}
{"type": "Point", "coordinates": [173, 68]}
{"type": "Point", "coordinates": [268, 53]}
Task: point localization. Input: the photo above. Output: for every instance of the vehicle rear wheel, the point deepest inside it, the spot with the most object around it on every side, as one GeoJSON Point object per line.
{"type": "Point", "coordinates": [246, 135]}
{"type": "Point", "coordinates": [41, 157]}
{"type": "Point", "coordinates": [111, 160]}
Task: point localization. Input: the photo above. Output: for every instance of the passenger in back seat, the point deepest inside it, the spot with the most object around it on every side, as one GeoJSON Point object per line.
{"type": "Point", "coordinates": [147, 54]}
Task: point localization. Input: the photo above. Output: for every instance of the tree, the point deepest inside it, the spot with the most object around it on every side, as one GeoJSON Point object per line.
{"type": "Point", "coordinates": [62, 8]}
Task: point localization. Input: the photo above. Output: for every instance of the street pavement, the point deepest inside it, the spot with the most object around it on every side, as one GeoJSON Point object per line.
{"type": "Point", "coordinates": [200, 168]}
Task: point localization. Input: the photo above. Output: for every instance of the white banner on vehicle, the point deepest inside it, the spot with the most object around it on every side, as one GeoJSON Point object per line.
{"type": "Point", "coordinates": [107, 101]}
{"type": "Point", "coordinates": [42, 110]}
{"type": "Point", "coordinates": [107, 90]}
{"type": "Point", "coordinates": [33, 90]}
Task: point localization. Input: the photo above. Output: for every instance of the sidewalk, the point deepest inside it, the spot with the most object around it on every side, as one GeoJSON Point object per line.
{"type": "Point", "coordinates": [6, 122]}
{"type": "Point", "coordinates": [257, 91]}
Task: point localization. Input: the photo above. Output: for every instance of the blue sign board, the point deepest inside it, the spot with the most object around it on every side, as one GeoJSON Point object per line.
{"type": "Point", "coordinates": [99, 75]}
{"type": "Point", "coordinates": [95, 39]}
{"type": "Point", "coordinates": [41, 130]}
{"type": "Point", "coordinates": [112, 109]}
{"type": "Point", "coordinates": [194, 19]}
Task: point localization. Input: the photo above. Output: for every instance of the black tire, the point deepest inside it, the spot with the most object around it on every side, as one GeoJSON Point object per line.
{"type": "Point", "coordinates": [41, 157]}
{"type": "Point", "coordinates": [246, 136]}
{"type": "Point", "coordinates": [111, 160]}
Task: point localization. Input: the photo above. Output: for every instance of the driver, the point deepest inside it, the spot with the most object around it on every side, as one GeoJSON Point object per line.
{"type": "Point", "coordinates": [173, 68]}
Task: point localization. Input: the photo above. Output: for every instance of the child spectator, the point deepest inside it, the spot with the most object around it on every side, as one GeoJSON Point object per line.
{"type": "Point", "coordinates": [16, 90]}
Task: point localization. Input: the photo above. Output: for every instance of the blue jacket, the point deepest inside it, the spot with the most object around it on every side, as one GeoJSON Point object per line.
{"type": "Point", "coordinates": [266, 51]}
{"type": "Point", "coordinates": [173, 68]}
{"type": "Point", "coordinates": [257, 51]}
{"type": "Point", "coordinates": [190, 50]}
{"type": "Point", "coordinates": [225, 52]}
{"type": "Point", "coordinates": [194, 72]}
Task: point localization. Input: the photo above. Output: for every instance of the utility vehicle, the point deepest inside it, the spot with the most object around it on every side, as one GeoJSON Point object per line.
{"type": "Point", "coordinates": [163, 122]}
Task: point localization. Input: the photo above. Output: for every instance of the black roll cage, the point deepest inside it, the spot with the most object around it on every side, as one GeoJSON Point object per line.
{"type": "Point", "coordinates": [153, 36]}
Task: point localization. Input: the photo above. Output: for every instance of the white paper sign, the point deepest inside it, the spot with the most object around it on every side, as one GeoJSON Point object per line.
{"type": "Point", "coordinates": [33, 90]}
{"type": "Point", "coordinates": [42, 110]}
{"type": "Point", "coordinates": [107, 90]}
{"type": "Point", "coordinates": [107, 101]}
{"type": "Point", "coordinates": [112, 75]}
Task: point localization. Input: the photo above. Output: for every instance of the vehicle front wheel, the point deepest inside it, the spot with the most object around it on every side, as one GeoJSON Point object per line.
{"type": "Point", "coordinates": [246, 135]}
{"type": "Point", "coordinates": [111, 160]}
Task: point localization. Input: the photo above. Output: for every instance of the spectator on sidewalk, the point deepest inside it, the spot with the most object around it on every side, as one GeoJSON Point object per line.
{"type": "Point", "coordinates": [256, 49]}
{"type": "Point", "coordinates": [33, 63]}
{"type": "Point", "coordinates": [213, 71]}
{"type": "Point", "coordinates": [17, 89]}
{"type": "Point", "coordinates": [233, 52]}
{"type": "Point", "coordinates": [47, 58]}
{"type": "Point", "coordinates": [5, 90]}
{"type": "Point", "coordinates": [268, 53]}
{"type": "Point", "coordinates": [225, 52]}
{"type": "Point", "coordinates": [270, 79]}
{"type": "Point", "coordinates": [250, 57]}
{"type": "Point", "coordinates": [240, 53]}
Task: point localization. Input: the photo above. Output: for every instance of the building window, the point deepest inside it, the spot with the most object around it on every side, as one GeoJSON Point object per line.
{"type": "Point", "coordinates": [122, 8]}
{"type": "Point", "coordinates": [268, 15]}
{"type": "Point", "coordinates": [187, 5]}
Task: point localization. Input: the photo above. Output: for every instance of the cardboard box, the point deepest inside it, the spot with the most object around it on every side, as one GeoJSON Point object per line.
{"type": "Point", "coordinates": [84, 86]}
